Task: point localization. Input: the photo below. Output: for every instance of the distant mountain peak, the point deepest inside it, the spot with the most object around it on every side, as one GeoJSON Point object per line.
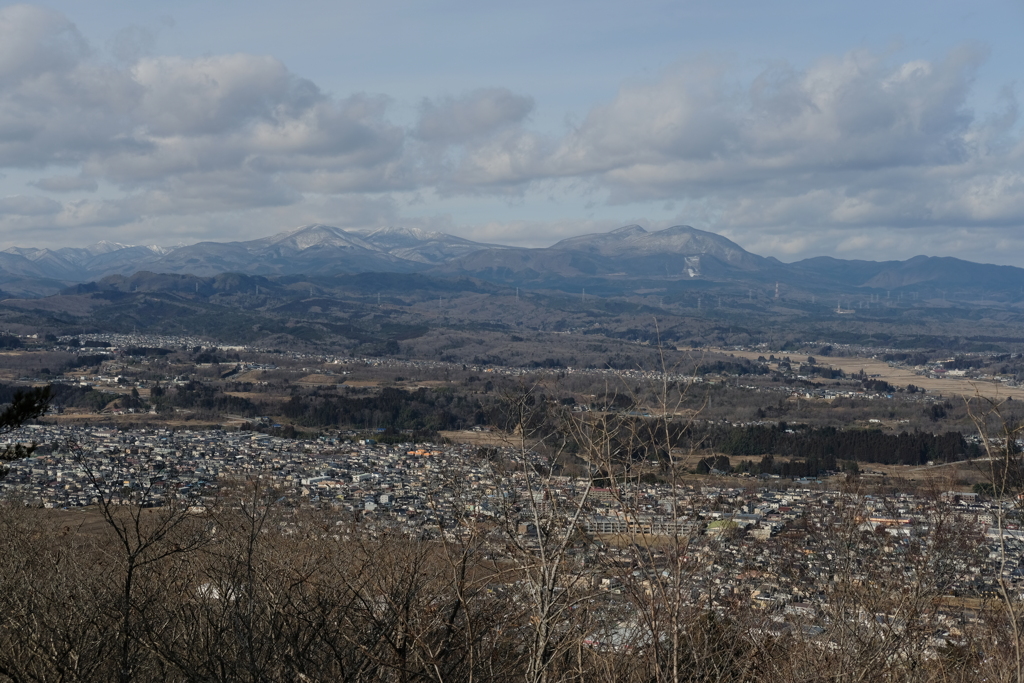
{"type": "Point", "coordinates": [417, 233]}
{"type": "Point", "coordinates": [630, 252]}
{"type": "Point", "coordinates": [421, 246]}
{"type": "Point", "coordinates": [314, 235]}
{"type": "Point", "coordinates": [681, 242]}
{"type": "Point", "coordinates": [106, 246]}
{"type": "Point", "coordinates": [628, 230]}
{"type": "Point", "coordinates": [308, 229]}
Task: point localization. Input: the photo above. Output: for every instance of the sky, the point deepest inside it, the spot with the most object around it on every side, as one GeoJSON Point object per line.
{"type": "Point", "coordinates": [868, 130]}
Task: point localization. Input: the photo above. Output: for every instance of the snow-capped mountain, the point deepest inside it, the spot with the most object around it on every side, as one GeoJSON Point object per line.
{"type": "Point", "coordinates": [630, 253]}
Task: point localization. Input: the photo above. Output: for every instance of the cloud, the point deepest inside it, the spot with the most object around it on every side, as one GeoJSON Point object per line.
{"type": "Point", "coordinates": [66, 183]}
{"type": "Point", "coordinates": [793, 158]}
{"type": "Point", "coordinates": [688, 115]}
{"type": "Point", "coordinates": [35, 42]}
{"type": "Point", "coordinates": [475, 115]}
{"type": "Point", "coordinates": [132, 43]}
{"type": "Point", "coordinates": [851, 143]}
{"type": "Point", "coordinates": [689, 132]}
{"type": "Point", "coordinates": [502, 164]}
{"type": "Point", "coordinates": [214, 95]}
{"type": "Point", "coordinates": [88, 221]}
{"type": "Point", "coordinates": [23, 205]}
{"type": "Point", "coordinates": [185, 136]}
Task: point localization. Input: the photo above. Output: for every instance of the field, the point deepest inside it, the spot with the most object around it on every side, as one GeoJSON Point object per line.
{"type": "Point", "coordinates": [901, 377]}
{"type": "Point", "coordinates": [492, 439]}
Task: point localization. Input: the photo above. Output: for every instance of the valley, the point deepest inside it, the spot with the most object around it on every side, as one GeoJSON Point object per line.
{"type": "Point", "coordinates": [648, 407]}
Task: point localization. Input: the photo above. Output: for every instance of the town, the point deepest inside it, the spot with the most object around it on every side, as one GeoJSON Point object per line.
{"type": "Point", "coordinates": [766, 545]}
{"type": "Point", "coordinates": [716, 488]}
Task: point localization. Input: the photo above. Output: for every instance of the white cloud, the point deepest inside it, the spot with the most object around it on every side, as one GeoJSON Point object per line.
{"type": "Point", "coordinates": [181, 136]}
{"type": "Point", "coordinates": [214, 95]}
{"type": "Point", "coordinates": [35, 42]}
{"type": "Point", "coordinates": [688, 114]}
{"type": "Point", "coordinates": [689, 133]}
{"type": "Point", "coordinates": [501, 164]}
{"type": "Point", "coordinates": [792, 159]}
{"type": "Point", "coordinates": [852, 143]}
{"type": "Point", "coordinates": [860, 142]}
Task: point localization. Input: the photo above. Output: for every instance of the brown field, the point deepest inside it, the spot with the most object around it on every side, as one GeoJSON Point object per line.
{"type": "Point", "coordinates": [250, 376]}
{"type": "Point", "coordinates": [643, 540]}
{"type": "Point", "coordinates": [902, 376]}
{"type": "Point", "coordinates": [948, 476]}
{"type": "Point", "coordinates": [954, 602]}
{"type": "Point", "coordinates": [425, 384]}
{"type": "Point", "coordinates": [136, 420]}
{"type": "Point", "coordinates": [319, 380]}
{"type": "Point", "coordinates": [257, 395]}
{"type": "Point", "coordinates": [493, 439]}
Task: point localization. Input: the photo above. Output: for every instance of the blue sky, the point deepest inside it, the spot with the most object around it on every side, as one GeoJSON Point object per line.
{"type": "Point", "coordinates": [860, 130]}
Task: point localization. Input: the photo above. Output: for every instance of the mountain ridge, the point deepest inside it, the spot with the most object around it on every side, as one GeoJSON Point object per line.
{"type": "Point", "coordinates": [630, 254]}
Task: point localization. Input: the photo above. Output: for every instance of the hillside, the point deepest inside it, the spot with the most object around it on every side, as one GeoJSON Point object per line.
{"type": "Point", "coordinates": [677, 262]}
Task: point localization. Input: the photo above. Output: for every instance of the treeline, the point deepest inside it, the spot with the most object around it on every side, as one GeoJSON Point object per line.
{"type": "Point", "coordinates": [790, 469]}
{"type": "Point", "coordinates": [807, 451]}
{"type": "Point", "coordinates": [738, 367]}
{"type": "Point", "coordinates": [822, 371]}
{"type": "Point", "coordinates": [86, 360]}
{"type": "Point", "coordinates": [916, 358]}
{"type": "Point", "coordinates": [146, 351]}
{"type": "Point", "coordinates": [72, 396]}
{"type": "Point", "coordinates": [9, 341]}
{"type": "Point", "coordinates": [66, 396]}
{"type": "Point", "coordinates": [202, 397]}
{"type": "Point", "coordinates": [827, 445]}
{"type": "Point", "coordinates": [424, 411]}
{"type": "Point", "coordinates": [420, 410]}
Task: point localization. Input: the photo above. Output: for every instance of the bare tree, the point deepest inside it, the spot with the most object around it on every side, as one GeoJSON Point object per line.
{"type": "Point", "coordinates": [1000, 435]}
{"type": "Point", "coordinates": [540, 519]}
{"type": "Point", "coordinates": [142, 536]}
{"type": "Point", "coordinates": [53, 627]}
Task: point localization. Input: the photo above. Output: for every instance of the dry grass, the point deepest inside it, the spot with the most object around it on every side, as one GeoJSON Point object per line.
{"type": "Point", "coordinates": [901, 377]}
{"type": "Point", "coordinates": [492, 439]}
{"type": "Point", "coordinates": [320, 380]}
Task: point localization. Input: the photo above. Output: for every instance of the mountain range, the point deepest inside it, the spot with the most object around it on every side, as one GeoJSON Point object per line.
{"type": "Point", "coordinates": [628, 258]}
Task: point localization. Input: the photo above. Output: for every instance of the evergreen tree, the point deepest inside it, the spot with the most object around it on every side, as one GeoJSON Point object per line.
{"type": "Point", "coordinates": [26, 405]}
